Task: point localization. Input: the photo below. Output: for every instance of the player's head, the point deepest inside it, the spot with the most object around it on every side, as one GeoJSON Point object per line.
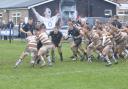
{"type": "Point", "coordinates": [56, 30]}
{"type": "Point", "coordinates": [115, 17]}
{"type": "Point", "coordinates": [126, 25]}
{"type": "Point", "coordinates": [83, 21]}
{"type": "Point", "coordinates": [30, 20]}
{"type": "Point", "coordinates": [97, 22]}
{"type": "Point", "coordinates": [39, 26]}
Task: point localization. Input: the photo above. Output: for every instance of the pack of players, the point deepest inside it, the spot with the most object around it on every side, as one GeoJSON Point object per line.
{"type": "Point", "coordinates": [108, 41]}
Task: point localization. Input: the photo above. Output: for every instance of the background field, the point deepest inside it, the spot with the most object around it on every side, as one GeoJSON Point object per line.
{"type": "Point", "coordinates": [65, 75]}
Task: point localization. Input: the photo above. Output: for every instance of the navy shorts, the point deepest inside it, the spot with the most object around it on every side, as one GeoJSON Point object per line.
{"type": "Point", "coordinates": [77, 41]}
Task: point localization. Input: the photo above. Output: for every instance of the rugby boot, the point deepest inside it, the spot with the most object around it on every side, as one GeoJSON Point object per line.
{"type": "Point", "coordinates": [89, 59]}
{"type": "Point", "coordinates": [116, 62]}
{"type": "Point", "coordinates": [109, 64]}
{"type": "Point", "coordinates": [82, 58]}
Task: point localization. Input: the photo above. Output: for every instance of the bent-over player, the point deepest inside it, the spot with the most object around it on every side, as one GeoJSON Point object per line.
{"type": "Point", "coordinates": [31, 48]}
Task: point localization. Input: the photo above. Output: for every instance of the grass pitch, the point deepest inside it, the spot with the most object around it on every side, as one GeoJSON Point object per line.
{"type": "Point", "coordinates": [65, 75]}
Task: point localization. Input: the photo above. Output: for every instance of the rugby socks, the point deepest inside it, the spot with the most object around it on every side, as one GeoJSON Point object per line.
{"type": "Point", "coordinates": [53, 56]}
{"type": "Point", "coordinates": [18, 62]}
{"type": "Point", "coordinates": [108, 61]}
{"type": "Point", "coordinates": [80, 55]}
{"type": "Point", "coordinates": [49, 61]}
{"type": "Point", "coordinates": [32, 60]}
{"type": "Point", "coordinates": [85, 55]}
{"type": "Point", "coordinates": [75, 57]}
{"type": "Point", "coordinates": [113, 57]}
{"type": "Point", "coordinates": [43, 61]}
{"type": "Point", "coordinates": [89, 59]}
{"type": "Point", "coordinates": [61, 56]}
{"type": "Point", "coordinates": [74, 53]}
{"type": "Point", "coordinates": [126, 51]}
{"type": "Point", "coordinates": [37, 60]}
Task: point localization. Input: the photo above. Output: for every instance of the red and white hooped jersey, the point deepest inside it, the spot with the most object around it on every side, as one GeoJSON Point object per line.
{"type": "Point", "coordinates": [43, 37]}
{"type": "Point", "coordinates": [32, 40]}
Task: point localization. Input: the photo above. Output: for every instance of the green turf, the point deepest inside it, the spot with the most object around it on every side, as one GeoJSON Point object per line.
{"type": "Point", "coordinates": [66, 75]}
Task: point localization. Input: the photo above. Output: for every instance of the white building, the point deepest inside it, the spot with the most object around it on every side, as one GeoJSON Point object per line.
{"type": "Point", "coordinates": [122, 12]}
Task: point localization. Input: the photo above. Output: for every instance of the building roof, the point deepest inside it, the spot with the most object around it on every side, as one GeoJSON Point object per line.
{"type": "Point", "coordinates": [31, 3]}
{"type": "Point", "coordinates": [10, 4]}
{"type": "Point", "coordinates": [111, 2]}
{"type": "Point", "coordinates": [123, 6]}
{"type": "Point", "coordinates": [120, 1]}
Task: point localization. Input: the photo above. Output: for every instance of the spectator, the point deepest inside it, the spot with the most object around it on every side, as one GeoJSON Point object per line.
{"type": "Point", "coordinates": [10, 26]}
{"type": "Point", "coordinates": [4, 27]}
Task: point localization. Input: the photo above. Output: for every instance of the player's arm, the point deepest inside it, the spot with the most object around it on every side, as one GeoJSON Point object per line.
{"type": "Point", "coordinates": [22, 30]}
{"type": "Point", "coordinates": [110, 36]}
{"type": "Point", "coordinates": [125, 30]}
{"type": "Point", "coordinates": [82, 33]}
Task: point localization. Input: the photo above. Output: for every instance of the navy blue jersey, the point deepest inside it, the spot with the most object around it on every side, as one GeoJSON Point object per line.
{"type": "Point", "coordinates": [56, 38]}
{"type": "Point", "coordinates": [117, 24]}
{"type": "Point", "coordinates": [27, 27]}
{"type": "Point", "coordinates": [74, 32]}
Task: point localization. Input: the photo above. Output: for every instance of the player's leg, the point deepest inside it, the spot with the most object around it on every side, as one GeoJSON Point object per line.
{"type": "Point", "coordinates": [105, 53]}
{"type": "Point", "coordinates": [90, 49]}
{"type": "Point", "coordinates": [53, 54]}
{"type": "Point", "coordinates": [71, 42]}
{"type": "Point", "coordinates": [84, 54]}
{"type": "Point", "coordinates": [33, 57]}
{"type": "Point", "coordinates": [59, 48]}
{"type": "Point", "coordinates": [76, 45]}
{"type": "Point", "coordinates": [39, 45]}
{"type": "Point", "coordinates": [49, 47]}
{"type": "Point", "coordinates": [49, 59]}
{"type": "Point", "coordinates": [41, 55]}
{"type": "Point", "coordinates": [22, 56]}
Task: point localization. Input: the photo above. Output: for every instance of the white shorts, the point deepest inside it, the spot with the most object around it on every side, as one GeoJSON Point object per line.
{"type": "Point", "coordinates": [45, 49]}
{"type": "Point", "coordinates": [30, 50]}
